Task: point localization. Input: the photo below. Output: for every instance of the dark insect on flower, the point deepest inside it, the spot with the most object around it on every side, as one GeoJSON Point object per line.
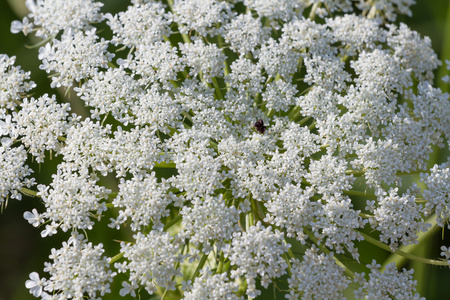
{"type": "Point", "coordinates": [259, 126]}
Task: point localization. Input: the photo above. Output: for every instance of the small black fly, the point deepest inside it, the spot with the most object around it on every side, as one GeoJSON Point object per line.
{"type": "Point", "coordinates": [259, 126]}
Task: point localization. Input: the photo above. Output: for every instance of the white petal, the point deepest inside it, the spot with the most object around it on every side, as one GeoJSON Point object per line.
{"type": "Point", "coordinates": [16, 26]}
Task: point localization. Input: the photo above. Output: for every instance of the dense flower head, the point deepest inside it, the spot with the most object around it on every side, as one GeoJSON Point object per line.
{"type": "Point", "coordinates": [209, 286]}
{"type": "Point", "coordinates": [317, 277]}
{"type": "Point", "coordinates": [398, 218]}
{"type": "Point", "coordinates": [257, 252]}
{"type": "Point", "coordinates": [229, 144]}
{"type": "Point", "coordinates": [52, 16]}
{"type": "Point", "coordinates": [76, 56]}
{"type": "Point", "coordinates": [437, 192]}
{"type": "Point", "coordinates": [77, 269]}
{"type": "Point", "coordinates": [151, 261]}
{"type": "Point", "coordinates": [14, 83]}
{"type": "Point", "coordinates": [15, 173]}
{"type": "Point", "coordinates": [389, 284]}
{"type": "Point", "coordinates": [152, 26]}
{"type": "Point", "coordinates": [39, 123]}
{"type": "Point", "coordinates": [73, 198]}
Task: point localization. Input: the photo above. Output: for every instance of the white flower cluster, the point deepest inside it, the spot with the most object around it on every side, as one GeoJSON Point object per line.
{"type": "Point", "coordinates": [258, 252]}
{"type": "Point", "coordinates": [209, 220]}
{"type": "Point", "coordinates": [15, 172]}
{"type": "Point", "coordinates": [76, 56]}
{"type": "Point", "coordinates": [72, 199]}
{"type": "Point", "coordinates": [389, 284]}
{"type": "Point", "coordinates": [437, 193]}
{"type": "Point", "coordinates": [153, 25]}
{"type": "Point", "coordinates": [212, 287]}
{"type": "Point", "coordinates": [144, 201]}
{"type": "Point", "coordinates": [398, 218]}
{"type": "Point", "coordinates": [234, 129]}
{"type": "Point", "coordinates": [78, 269]}
{"type": "Point", "coordinates": [200, 15]}
{"type": "Point", "coordinates": [150, 262]}
{"type": "Point", "coordinates": [14, 82]}
{"type": "Point", "coordinates": [52, 16]}
{"type": "Point", "coordinates": [317, 276]}
{"type": "Point", "coordinates": [39, 123]}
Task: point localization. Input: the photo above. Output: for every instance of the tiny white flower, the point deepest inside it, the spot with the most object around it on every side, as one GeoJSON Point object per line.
{"type": "Point", "coordinates": [50, 230]}
{"type": "Point", "coordinates": [445, 252]}
{"type": "Point", "coordinates": [127, 289]}
{"type": "Point", "coordinates": [35, 284]}
{"type": "Point", "coordinates": [33, 217]}
{"type": "Point", "coordinates": [25, 26]}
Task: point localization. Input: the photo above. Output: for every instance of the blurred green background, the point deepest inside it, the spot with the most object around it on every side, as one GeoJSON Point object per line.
{"type": "Point", "coordinates": [22, 251]}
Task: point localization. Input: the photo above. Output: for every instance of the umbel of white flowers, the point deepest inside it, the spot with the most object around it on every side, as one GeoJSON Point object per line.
{"type": "Point", "coordinates": [253, 142]}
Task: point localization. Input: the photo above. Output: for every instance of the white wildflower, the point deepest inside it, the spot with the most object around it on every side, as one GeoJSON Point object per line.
{"type": "Point", "coordinates": [52, 16]}
{"type": "Point", "coordinates": [151, 261]}
{"type": "Point", "coordinates": [78, 269]}
{"type": "Point", "coordinates": [389, 284]}
{"type": "Point", "coordinates": [258, 252]}
{"type": "Point", "coordinates": [76, 56]}
{"type": "Point", "coordinates": [317, 276]}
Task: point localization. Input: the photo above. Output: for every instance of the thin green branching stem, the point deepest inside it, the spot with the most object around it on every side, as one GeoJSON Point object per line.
{"type": "Point", "coordinates": [359, 193]}
{"type": "Point", "coordinates": [304, 120]}
{"type": "Point", "coordinates": [116, 258]}
{"type": "Point", "coordinates": [356, 173]}
{"type": "Point", "coordinates": [109, 205]}
{"type": "Point", "coordinates": [249, 220]}
{"type": "Point", "coordinates": [294, 113]}
{"type": "Point", "coordinates": [365, 216]}
{"type": "Point", "coordinates": [172, 222]}
{"type": "Point", "coordinates": [28, 192]}
{"type": "Point", "coordinates": [200, 266]}
{"type": "Point", "coordinates": [406, 255]}
{"type": "Point", "coordinates": [260, 211]}
{"type": "Point", "coordinates": [221, 261]}
{"type": "Point", "coordinates": [288, 261]}
{"type": "Point", "coordinates": [217, 89]}
{"type": "Point", "coordinates": [372, 13]}
{"type": "Point", "coordinates": [312, 14]}
{"type": "Point", "coordinates": [41, 43]}
{"type": "Point", "coordinates": [184, 36]}
{"type": "Point", "coordinates": [166, 165]}
{"type": "Point", "coordinates": [312, 126]}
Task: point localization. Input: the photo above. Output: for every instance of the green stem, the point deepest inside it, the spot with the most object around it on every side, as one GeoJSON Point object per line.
{"type": "Point", "coordinates": [41, 43]}
{"type": "Point", "coordinates": [28, 192]}
{"type": "Point", "coordinates": [312, 14]}
{"type": "Point", "coordinates": [288, 261]}
{"type": "Point", "coordinates": [354, 172]}
{"type": "Point", "coordinates": [365, 216]}
{"type": "Point", "coordinates": [406, 255]}
{"type": "Point", "coordinates": [172, 222]}
{"type": "Point", "coordinates": [221, 260]}
{"type": "Point", "coordinates": [200, 266]}
{"type": "Point", "coordinates": [372, 12]}
{"type": "Point", "coordinates": [294, 113]}
{"type": "Point", "coordinates": [359, 193]}
{"type": "Point", "coordinates": [166, 165]}
{"type": "Point", "coordinates": [116, 258]}
{"type": "Point", "coordinates": [217, 88]}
